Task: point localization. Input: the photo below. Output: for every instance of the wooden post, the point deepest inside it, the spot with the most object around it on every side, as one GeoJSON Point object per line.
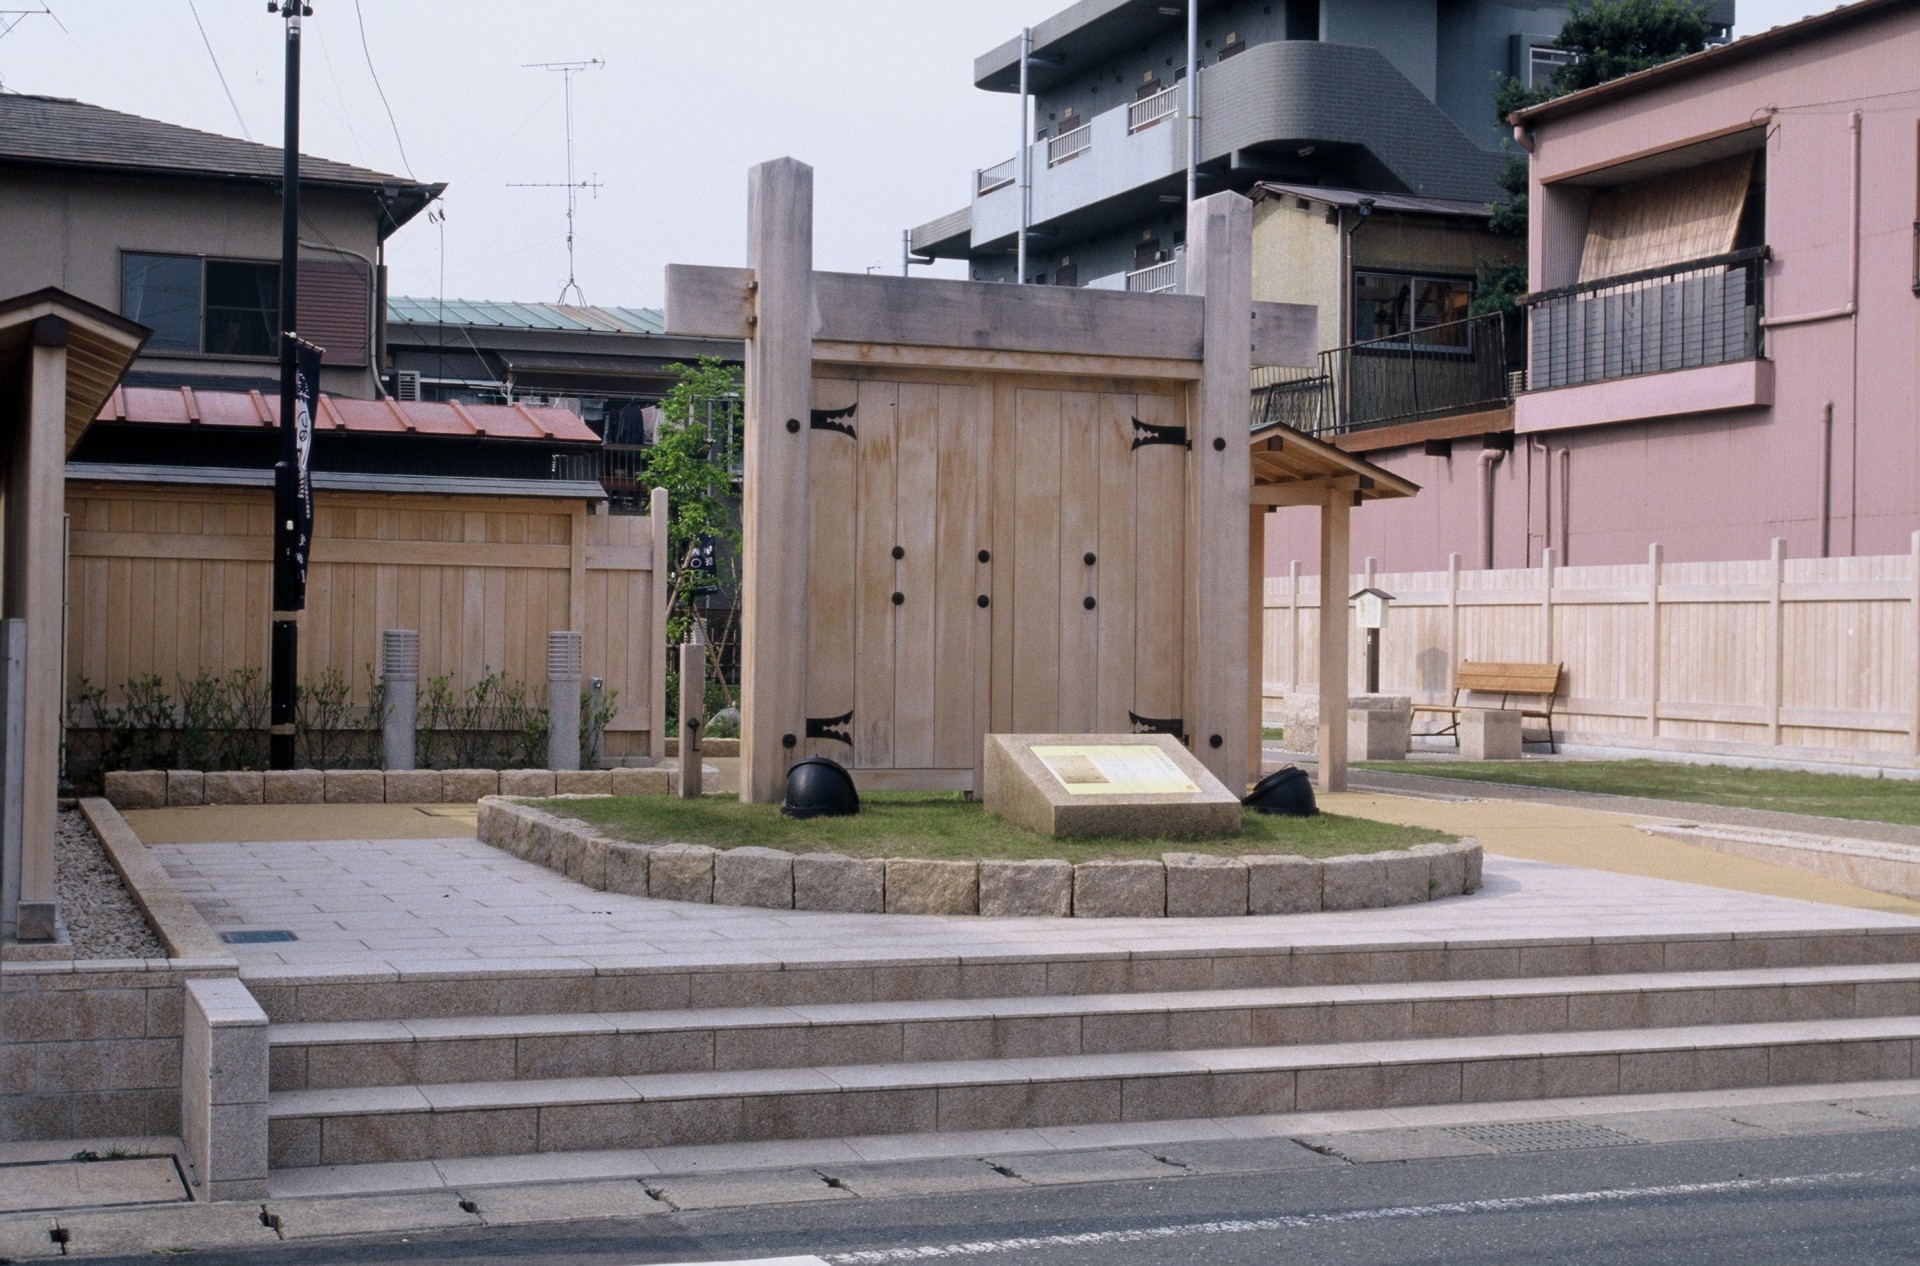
{"type": "Point", "coordinates": [693, 720]}
{"type": "Point", "coordinates": [1546, 603]}
{"type": "Point", "coordinates": [1776, 636]}
{"type": "Point", "coordinates": [1453, 616]}
{"type": "Point", "coordinates": [1293, 625]}
{"type": "Point", "coordinates": [657, 520]}
{"type": "Point", "coordinates": [1653, 640]}
{"type": "Point", "coordinates": [1336, 523]}
{"type": "Point", "coordinates": [577, 570]}
{"type": "Point", "coordinates": [1256, 638]}
{"type": "Point", "coordinates": [1219, 472]}
{"type": "Point", "coordinates": [779, 394]}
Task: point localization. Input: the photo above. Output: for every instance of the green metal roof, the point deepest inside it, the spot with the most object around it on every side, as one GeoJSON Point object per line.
{"type": "Point", "coordinates": [492, 314]}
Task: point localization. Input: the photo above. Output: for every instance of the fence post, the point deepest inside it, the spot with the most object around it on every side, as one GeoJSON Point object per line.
{"type": "Point", "coordinates": [1453, 614]}
{"type": "Point", "coordinates": [658, 522]}
{"type": "Point", "coordinates": [1776, 637]}
{"type": "Point", "coordinates": [400, 675]}
{"type": "Point", "coordinates": [1653, 640]}
{"type": "Point", "coordinates": [1293, 625]}
{"type": "Point", "coordinates": [1546, 601]}
{"type": "Point", "coordinates": [563, 700]}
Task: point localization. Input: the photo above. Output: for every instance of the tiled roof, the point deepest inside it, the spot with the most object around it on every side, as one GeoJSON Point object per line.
{"type": "Point", "coordinates": [183, 406]}
{"type": "Point", "coordinates": [492, 314]}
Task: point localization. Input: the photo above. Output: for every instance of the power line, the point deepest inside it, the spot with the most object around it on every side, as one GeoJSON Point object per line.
{"type": "Point", "coordinates": [391, 121]}
{"type": "Point", "coordinates": [218, 73]}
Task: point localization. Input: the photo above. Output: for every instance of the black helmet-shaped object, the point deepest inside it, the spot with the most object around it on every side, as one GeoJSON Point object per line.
{"type": "Point", "coordinates": [1283, 791]}
{"type": "Point", "coordinates": [818, 787]}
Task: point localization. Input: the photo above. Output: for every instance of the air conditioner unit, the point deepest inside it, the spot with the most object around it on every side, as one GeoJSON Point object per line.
{"type": "Point", "coordinates": [406, 384]}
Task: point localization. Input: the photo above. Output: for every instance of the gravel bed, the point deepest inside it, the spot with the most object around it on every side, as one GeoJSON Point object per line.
{"type": "Point", "coordinates": [98, 910]}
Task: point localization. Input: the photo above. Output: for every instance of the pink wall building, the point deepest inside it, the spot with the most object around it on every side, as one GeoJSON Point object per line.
{"type": "Point", "coordinates": [1724, 335]}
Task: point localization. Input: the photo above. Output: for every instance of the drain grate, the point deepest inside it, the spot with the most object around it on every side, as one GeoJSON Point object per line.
{"type": "Point", "coordinates": [1541, 1136]}
{"type": "Point", "coordinates": [257, 937]}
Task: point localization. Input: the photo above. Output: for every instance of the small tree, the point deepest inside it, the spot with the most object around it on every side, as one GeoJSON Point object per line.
{"type": "Point", "coordinates": [1608, 39]}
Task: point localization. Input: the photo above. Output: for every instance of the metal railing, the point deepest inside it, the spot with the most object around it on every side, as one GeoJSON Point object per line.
{"type": "Point", "coordinates": [1169, 276]}
{"type": "Point", "coordinates": [1703, 312]}
{"type": "Point", "coordinates": [1148, 111]}
{"type": "Point", "coordinates": [1069, 144]}
{"type": "Point", "coordinates": [998, 176]}
{"type": "Point", "coordinates": [618, 468]}
{"type": "Point", "coordinates": [1451, 368]}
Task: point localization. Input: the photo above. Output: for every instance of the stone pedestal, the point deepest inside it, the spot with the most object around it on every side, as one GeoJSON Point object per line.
{"type": "Point", "coordinates": [1104, 784]}
{"type": "Point", "coordinates": [1379, 727]}
{"type": "Point", "coordinates": [1489, 734]}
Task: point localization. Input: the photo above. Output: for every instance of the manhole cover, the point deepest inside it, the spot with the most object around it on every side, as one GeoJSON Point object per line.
{"type": "Point", "coordinates": [256, 937]}
{"type": "Point", "coordinates": [1541, 1136]}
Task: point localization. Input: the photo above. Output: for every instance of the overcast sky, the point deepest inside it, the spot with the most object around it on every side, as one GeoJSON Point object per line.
{"type": "Point", "coordinates": [876, 94]}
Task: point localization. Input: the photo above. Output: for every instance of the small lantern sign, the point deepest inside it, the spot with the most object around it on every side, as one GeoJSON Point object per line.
{"type": "Point", "coordinates": [1370, 609]}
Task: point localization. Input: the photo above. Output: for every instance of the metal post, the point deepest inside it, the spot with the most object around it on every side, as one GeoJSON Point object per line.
{"type": "Point", "coordinates": [1193, 96]}
{"type": "Point", "coordinates": [693, 691]}
{"type": "Point", "coordinates": [1373, 661]}
{"type": "Point", "coordinates": [400, 674]}
{"type": "Point", "coordinates": [563, 700]}
{"type": "Point", "coordinates": [287, 600]}
{"type": "Point", "coordinates": [1026, 162]}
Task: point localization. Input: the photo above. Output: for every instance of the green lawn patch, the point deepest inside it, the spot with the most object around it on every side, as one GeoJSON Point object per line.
{"type": "Point", "coordinates": [943, 826]}
{"type": "Point", "coordinates": [1774, 790]}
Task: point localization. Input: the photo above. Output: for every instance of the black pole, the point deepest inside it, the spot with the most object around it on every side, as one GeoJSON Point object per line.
{"type": "Point", "coordinates": [1373, 661]}
{"type": "Point", "coordinates": [287, 600]}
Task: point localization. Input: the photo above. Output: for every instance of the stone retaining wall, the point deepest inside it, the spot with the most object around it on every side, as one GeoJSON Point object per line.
{"type": "Point", "coordinates": [1178, 885]}
{"type": "Point", "coordinates": [171, 788]}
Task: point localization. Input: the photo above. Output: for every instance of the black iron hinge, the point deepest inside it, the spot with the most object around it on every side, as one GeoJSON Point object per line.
{"type": "Point", "coordinates": [831, 727]}
{"type": "Point", "coordinates": [1148, 433]}
{"type": "Point", "coordinates": [832, 420]}
{"type": "Point", "coordinates": [1158, 725]}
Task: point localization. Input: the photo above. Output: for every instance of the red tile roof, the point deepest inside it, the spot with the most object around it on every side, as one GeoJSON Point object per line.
{"type": "Point", "coordinates": [183, 406]}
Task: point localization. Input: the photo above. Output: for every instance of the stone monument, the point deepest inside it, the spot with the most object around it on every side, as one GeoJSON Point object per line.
{"type": "Point", "coordinates": [1105, 784]}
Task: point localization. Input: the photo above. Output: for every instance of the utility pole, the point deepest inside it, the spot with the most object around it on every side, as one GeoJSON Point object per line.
{"type": "Point", "coordinates": [289, 595]}
{"type": "Point", "coordinates": [1026, 161]}
{"type": "Point", "coordinates": [1193, 97]}
{"type": "Point", "coordinates": [567, 71]}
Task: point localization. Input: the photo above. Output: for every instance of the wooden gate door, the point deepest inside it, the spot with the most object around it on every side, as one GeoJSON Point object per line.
{"type": "Point", "coordinates": [899, 561]}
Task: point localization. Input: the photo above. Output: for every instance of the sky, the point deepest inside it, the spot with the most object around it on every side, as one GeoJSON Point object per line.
{"type": "Point", "coordinates": [876, 95]}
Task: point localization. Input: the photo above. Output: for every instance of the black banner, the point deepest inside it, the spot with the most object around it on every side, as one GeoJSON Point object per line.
{"type": "Point", "coordinates": [293, 488]}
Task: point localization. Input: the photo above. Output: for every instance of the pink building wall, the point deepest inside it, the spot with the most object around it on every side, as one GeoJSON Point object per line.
{"type": "Point", "coordinates": [1718, 485]}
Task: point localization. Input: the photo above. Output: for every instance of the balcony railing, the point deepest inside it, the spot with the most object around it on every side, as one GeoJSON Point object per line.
{"type": "Point", "coordinates": [1452, 368]}
{"type": "Point", "coordinates": [1148, 111]}
{"type": "Point", "coordinates": [1169, 276]}
{"type": "Point", "coordinates": [998, 176]}
{"type": "Point", "coordinates": [1069, 144]}
{"type": "Point", "coordinates": [619, 468]}
{"type": "Point", "coordinates": [1703, 312]}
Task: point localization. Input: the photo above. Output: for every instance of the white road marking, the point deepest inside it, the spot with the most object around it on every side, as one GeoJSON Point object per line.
{"type": "Point", "coordinates": [1241, 1226]}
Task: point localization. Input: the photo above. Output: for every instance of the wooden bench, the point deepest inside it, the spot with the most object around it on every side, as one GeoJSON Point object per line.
{"type": "Point", "coordinates": [1514, 683]}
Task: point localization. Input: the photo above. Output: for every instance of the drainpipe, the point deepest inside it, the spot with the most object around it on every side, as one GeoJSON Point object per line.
{"type": "Point", "coordinates": [1566, 517]}
{"type": "Point", "coordinates": [1851, 308]}
{"type": "Point", "coordinates": [1489, 458]}
{"type": "Point", "coordinates": [1193, 97]}
{"type": "Point", "coordinates": [1026, 162]}
{"type": "Point", "coordinates": [1535, 445]}
{"type": "Point", "coordinates": [1826, 480]}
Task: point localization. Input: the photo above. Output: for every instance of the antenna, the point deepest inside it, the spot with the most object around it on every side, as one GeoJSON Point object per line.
{"type": "Point", "coordinates": [567, 70]}
{"type": "Point", "coordinates": [10, 18]}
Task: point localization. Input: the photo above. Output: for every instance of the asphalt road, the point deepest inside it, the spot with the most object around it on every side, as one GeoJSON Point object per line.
{"type": "Point", "coordinates": [1844, 1197]}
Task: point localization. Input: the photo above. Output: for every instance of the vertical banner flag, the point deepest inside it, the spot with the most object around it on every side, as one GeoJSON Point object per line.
{"type": "Point", "coordinates": [293, 488]}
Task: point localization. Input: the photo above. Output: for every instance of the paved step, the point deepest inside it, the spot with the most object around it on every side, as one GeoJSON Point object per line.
{"type": "Point", "coordinates": [365, 1125]}
{"type": "Point", "coordinates": [347, 1054]}
{"type": "Point", "coordinates": [706, 981]}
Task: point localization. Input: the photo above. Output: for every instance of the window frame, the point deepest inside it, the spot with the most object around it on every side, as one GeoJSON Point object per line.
{"type": "Point", "coordinates": [200, 351]}
{"type": "Point", "coordinates": [1398, 342]}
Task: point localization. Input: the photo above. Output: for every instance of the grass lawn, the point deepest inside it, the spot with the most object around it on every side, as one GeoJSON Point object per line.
{"type": "Point", "coordinates": [1777, 790]}
{"type": "Point", "coordinates": [942, 825]}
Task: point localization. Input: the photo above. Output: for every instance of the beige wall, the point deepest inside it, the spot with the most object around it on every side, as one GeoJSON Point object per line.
{"type": "Point", "coordinates": [68, 229]}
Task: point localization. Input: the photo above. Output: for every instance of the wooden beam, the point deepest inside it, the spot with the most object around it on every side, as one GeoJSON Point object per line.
{"type": "Point", "coordinates": [1256, 636]}
{"type": "Point", "coordinates": [894, 356]}
{"type": "Point", "coordinates": [779, 394]}
{"type": "Point", "coordinates": [704, 302]}
{"type": "Point", "coordinates": [1285, 334]}
{"type": "Point", "coordinates": [1303, 492]}
{"type": "Point", "coordinates": [1219, 471]}
{"type": "Point", "coordinates": [1336, 522]}
{"type": "Point", "coordinates": [657, 523]}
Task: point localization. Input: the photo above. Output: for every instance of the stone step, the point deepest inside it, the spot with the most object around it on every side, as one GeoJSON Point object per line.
{"type": "Point", "coordinates": [665, 983]}
{"type": "Point", "coordinates": [365, 1125]}
{"type": "Point", "coordinates": [345, 1054]}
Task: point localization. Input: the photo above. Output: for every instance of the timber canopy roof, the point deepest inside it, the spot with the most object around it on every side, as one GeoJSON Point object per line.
{"type": "Point", "coordinates": [1291, 467]}
{"type": "Point", "coordinates": [100, 345]}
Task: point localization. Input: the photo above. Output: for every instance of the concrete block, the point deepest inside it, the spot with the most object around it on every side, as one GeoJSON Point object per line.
{"type": "Point", "coordinates": [680, 872]}
{"type": "Point", "coordinates": [919, 886]}
{"type": "Point", "coordinates": [625, 869]}
{"type": "Point", "coordinates": [587, 858]}
{"type": "Point", "coordinates": [529, 783]}
{"type": "Point", "coordinates": [1381, 733]}
{"type": "Point", "coordinates": [654, 780]}
{"type": "Point", "coordinates": [233, 787]}
{"type": "Point", "coordinates": [1473, 856]}
{"type": "Point", "coordinates": [356, 786]}
{"type": "Point", "coordinates": [752, 876]}
{"type": "Point", "coordinates": [848, 885]}
{"type": "Point", "coordinates": [415, 786]}
{"type": "Point", "coordinates": [136, 788]}
{"type": "Point", "coordinates": [185, 787]}
{"type": "Point", "coordinates": [1447, 868]}
{"type": "Point", "coordinates": [293, 786]}
{"type": "Point", "coordinates": [1054, 792]}
{"type": "Point", "coordinates": [1119, 890]}
{"type": "Point", "coordinates": [1353, 883]}
{"type": "Point", "coordinates": [1489, 734]}
{"type": "Point", "coordinates": [466, 786]}
{"type": "Point", "coordinates": [1282, 884]}
{"type": "Point", "coordinates": [1015, 889]}
{"type": "Point", "coordinates": [1409, 877]}
{"type": "Point", "coordinates": [583, 782]}
{"type": "Point", "coordinates": [1200, 885]}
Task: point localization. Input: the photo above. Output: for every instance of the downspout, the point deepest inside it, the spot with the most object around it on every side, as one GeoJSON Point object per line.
{"type": "Point", "coordinates": [1566, 515]}
{"type": "Point", "coordinates": [1193, 97]}
{"type": "Point", "coordinates": [1489, 457]}
{"type": "Point", "coordinates": [1826, 480]}
{"type": "Point", "coordinates": [1536, 445]}
{"type": "Point", "coordinates": [1851, 308]}
{"type": "Point", "coordinates": [1026, 162]}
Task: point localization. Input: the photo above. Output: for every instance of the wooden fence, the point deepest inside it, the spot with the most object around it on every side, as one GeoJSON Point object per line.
{"type": "Point", "coordinates": [171, 581]}
{"type": "Point", "coordinates": [1803, 659]}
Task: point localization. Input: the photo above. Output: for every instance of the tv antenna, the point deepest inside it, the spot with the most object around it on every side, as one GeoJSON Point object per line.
{"type": "Point", "coordinates": [573, 187]}
{"type": "Point", "coordinates": [10, 18]}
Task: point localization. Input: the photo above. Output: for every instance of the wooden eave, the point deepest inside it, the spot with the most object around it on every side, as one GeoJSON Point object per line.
{"type": "Point", "coordinates": [100, 347]}
{"type": "Point", "coordinates": [1290, 467]}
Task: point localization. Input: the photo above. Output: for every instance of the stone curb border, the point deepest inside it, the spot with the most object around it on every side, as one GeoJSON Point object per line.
{"type": "Point", "coordinates": [1180, 885]}
{"type": "Point", "coordinates": [179, 926]}
{"type": "Point", "coordinates": [174, 788]}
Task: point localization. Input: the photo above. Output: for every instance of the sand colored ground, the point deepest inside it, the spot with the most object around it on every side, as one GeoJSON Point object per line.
{"type": "Point", "coordinates": [233, 823]}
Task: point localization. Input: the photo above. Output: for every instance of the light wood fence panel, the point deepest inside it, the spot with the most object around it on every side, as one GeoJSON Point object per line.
{"type": "Point", "coordinates": [1812, 659]}
{"type": "Point", "coordinates": [172, 581]}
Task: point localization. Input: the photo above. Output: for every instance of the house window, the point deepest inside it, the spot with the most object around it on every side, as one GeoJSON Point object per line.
{"type": "Point", "coordinates": [219, 307]}
{"type": "Point", "coordinates": [1391, 305]}
{"type": "Point", "coordinates": [1543, 62]}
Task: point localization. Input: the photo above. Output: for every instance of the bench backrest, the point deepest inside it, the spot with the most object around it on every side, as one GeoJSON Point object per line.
{"type": "Point", "coordinates": [1517, 679]}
